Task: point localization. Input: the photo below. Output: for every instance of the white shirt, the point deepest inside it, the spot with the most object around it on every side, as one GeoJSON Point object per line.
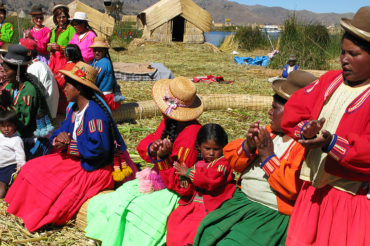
{"type": "Point", "coordinates": [11, 151]}
{"type": "Point", "coordinates": [78, 121]}
{"type": "Point", "coordinates": [46, 77]}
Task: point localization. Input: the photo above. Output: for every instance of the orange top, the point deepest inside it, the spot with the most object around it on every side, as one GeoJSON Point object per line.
{"type": "Point", "coordinates": [283, 173]}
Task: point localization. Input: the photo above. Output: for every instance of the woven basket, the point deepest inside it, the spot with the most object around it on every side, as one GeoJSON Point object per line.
{"type": "Point", "coordinates": [147, 109]}
{"type": "Point", "coordinates": [81, 221]}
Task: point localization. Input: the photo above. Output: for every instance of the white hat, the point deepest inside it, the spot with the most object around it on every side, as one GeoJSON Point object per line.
{"type": "Point", "coordinates": [80, 16]}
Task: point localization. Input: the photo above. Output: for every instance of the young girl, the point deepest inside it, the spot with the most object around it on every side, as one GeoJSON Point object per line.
{"type": "Point", "coordinates": [84, 36]}
{"type": "Point", "coordinates": [106, 80]}
{"type": "Point", "coordinates": [202, 187]}
{"type": "Point", "coordinates": [11, 149]}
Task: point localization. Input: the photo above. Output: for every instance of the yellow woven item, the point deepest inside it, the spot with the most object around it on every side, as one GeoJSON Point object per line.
{"type": "Point", "coordinates": [119, 174]}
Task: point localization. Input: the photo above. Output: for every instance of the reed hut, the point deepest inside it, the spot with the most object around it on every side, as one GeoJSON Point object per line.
{"type": "Point", "coordinates": [175, 21]}
{"type": "Point", "coordinates": [102, 23]}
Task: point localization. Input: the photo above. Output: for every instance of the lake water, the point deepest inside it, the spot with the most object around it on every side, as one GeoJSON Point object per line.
{"type": "Point", "coordinates": [216, 38]}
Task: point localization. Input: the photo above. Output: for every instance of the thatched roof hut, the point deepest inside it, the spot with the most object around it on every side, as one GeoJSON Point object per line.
{"type": "Point", "coordinates": [175, 20]}
{"type": "Point", "coordinates": [102, 23]}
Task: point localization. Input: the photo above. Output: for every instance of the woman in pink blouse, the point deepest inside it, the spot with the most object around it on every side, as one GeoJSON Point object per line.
{"type": "Point", "coordinates": [84, 36]}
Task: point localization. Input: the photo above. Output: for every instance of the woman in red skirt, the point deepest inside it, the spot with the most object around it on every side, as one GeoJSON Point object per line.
{"type": "Point", "coordinates": [51, 188]}
{"type": "Point", "coordinates": [331, 119]}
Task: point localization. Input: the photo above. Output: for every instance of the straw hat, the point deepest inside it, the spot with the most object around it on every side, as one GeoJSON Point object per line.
{"type": "Point", "coordinates": [295, 81]}
{"type": "Point", "coordinates": [359, 25]}
{"type": "Point", "coordinates": [83, 74]}
{"type": "Point", "coordinates": [59, 6]}
{"type": "Point", "coordinates": [177, 99]}
{"type": "Point", "coordinates": [36, 10]}
{"type": "Point", "coordinates": [17, 55]}
{"type": "Point", "coordinates": [292, 58]}
{"type": "Point", "coordinates": [79, 16]}
{"type": "Point", "coordinates": [100, 42]}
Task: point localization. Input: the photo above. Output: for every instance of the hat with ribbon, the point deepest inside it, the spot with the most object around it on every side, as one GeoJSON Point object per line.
{"type": "Point", "coordinates": [177, 99]}
{"type": "Point", "coordinates": [17, 55]}
{"type": "Point", "coordinates": [83, 74]}
{"type": "Point", "coordinates": [36, 10]}
{"type": "Point", "coordinates": [60, 6]}
{"type": "Point", "coordinates": [359, 25]}
{"type": "Point", "coordinates": [99, 42]}
{"type": "Point", "coordinates": [295, 81]}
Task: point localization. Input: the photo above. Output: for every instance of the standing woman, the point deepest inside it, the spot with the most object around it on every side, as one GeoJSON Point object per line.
{"type": "Point", "coordinates": [84, 36]}
{"type": "Point", "coordinates": [106, 80]}
{"type": "Point", "coordinates": [331, 119]}
{"type": "Point", "coordinates": [6, 29]}
{"type": "Point", "coordinates": [60, 37]}
{"type": "Point", "coordinates": [40, 33]}
{"type": "Point", "coordinates": [52, 188]}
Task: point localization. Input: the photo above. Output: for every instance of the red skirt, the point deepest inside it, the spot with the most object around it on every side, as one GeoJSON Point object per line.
{"type": "Point", "coordinates": [52, 188]}
{"type": "Point", "coordinates": [328, 216]}
{"type": "Point", "coordinates": [111, 104]}
{"type": "Point", "coordinates": [183, 223]}
{"type": "Point", "coordinates": [57, 61]}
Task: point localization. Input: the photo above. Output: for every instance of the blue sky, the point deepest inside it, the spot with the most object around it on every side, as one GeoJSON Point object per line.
{"type": "Point", "coordinates": [317, 6]}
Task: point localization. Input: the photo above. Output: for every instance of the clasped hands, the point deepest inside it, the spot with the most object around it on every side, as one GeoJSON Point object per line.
{"type": "Point", "coordinates": [62, 141]}
{"type": "Point", "coordinates": [312, 138]}
{"type": "Point", "coordinates": [258, 138]}
{"type": "Point", "coordinates": [160, 148]}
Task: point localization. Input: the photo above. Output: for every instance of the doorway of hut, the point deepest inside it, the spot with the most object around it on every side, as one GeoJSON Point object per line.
{"type": "Point", "coordinates": [178, 28]}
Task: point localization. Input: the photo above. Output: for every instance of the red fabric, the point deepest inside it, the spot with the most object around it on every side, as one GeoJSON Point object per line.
{"type": "Point", "coordinates": [109, 100]}
{"type": "Point", "coordinates": [327, 216]}
{"type": "Point", "coordinates": [52, 188]}
{"type": "Point", "coordinates": [57, 61]}
{"type": "Point", "coordinates": [183, 223]}
{"type": "Point", "coordinates": [30, 44]}
{"type": "Point", "coordinates": [63, 103]}
{"type": "Point", "coordinates": [354, 127]}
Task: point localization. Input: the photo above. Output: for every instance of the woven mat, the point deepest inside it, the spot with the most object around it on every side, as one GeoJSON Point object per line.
{"type": "Point", "coordinates": [134, 68]}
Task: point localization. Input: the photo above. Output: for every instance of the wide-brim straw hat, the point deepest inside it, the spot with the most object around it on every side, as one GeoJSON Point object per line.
{"type": "Point", "coordinates": [58, 6]}
{"type": "Point", "coordinates": [359, 25]}
{"type": "Point", "coordinates": [100, 42]}
{"type": "Point", "coordinates": [177, 99]}
{"type": "Point", "coordinates": [79, 16]}
{"type": "Point", "coordinates": [17, 55]}
{"type": "Point", "coordinates": [83, 74]}
{"type": "Point", "coordinates": [36, 10]}
{"type": "Point", "coordinates": [295, 81]}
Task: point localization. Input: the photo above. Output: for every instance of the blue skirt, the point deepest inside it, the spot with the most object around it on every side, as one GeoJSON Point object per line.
{"type": "Point", "coordinates": [6, 173]}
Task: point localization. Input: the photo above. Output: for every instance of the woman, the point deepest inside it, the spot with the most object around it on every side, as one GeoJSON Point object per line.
{"type": "Point", "coordinates": [40, 33]}
{"type": "Point", "coordinates": [60, 37]}
{"type": "Point", "coordinates": [53, 193]}
{"type": "Point", "coordinates": [106, 80]}
{"type": "Point", "coordinates": [84, 36]}
{"type": "Point", "coordinates": [27, 97]}
{"type": "Point", "coordinates": [331, 119]}
{"type": "Point", "coordinates": [128, 216]}
{"type": "Point", "coordinates": [6, 29]}
{"type": "Point", "coordinates": [269, 162]}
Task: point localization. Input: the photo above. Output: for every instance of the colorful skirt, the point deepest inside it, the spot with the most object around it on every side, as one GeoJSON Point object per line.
{"type": "Point", "coordinates": [240, 221]}
{"type": "Point", "coordinates": [183, 223]}
{"type": "Point", "coordinates": [328, 216]}
{"type": "Point", "coordinates": [57, 61]}
{"type": "Point", "coordinates": [129, 217]}
{"type": "Point", "coordinates": [52, 188]}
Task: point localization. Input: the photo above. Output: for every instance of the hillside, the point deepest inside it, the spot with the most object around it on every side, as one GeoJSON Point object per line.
{"type": "Point", "coordinates": [220, 9]}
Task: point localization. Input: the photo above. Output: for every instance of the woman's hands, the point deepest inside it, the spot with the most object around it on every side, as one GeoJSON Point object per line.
{"type": "Point", "coordinates": [250, 144]}
{"type": "Point", "coordinates": [310, 131]}
{"type": "Point", "coordinates": [264, 143]}
{"type": "Point", "coordinates": [53, 47]}
{"type": "Point", "coordinates": [62, 141]}
{"type": "Point", "coordinates": [160, 148]}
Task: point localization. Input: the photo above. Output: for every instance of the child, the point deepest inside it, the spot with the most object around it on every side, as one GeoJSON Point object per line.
{"type": "Point", "coordinates": [106, 80]}
{"type": "Point", "coordinates": [203, 187]}
{"type": "Point", "coordinates": [11, 149]}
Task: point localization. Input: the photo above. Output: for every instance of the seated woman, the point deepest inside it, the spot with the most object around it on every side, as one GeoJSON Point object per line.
{"type": "Point", "coordinates": [53, 193]}
{"type": "Point", "coordinates": [290, 66]}
{"type": "Point", "coordinates": [269, 162]}
{"type": "Point", "coordinates": [134, 214]}
{"type": "Point", "coordinates": [84, 36]}
{"type": "Point", "coordinates": [106, 80]}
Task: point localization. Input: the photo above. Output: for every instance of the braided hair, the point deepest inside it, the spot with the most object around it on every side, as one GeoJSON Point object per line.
{"type": "Point", "coordinates": [170, 130]}
{"type": "Point", "coordinates": [111, 63]}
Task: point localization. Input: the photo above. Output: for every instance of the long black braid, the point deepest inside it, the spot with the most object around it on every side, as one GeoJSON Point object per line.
{"type": "Point", "coordinates": [170, 130]}
{"type": "Point", "coordinates": [111, 63]}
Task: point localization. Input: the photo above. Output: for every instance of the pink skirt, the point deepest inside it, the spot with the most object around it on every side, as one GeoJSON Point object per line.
{"type": "Point", "coordinates": [52, 188]}
{"type": "Point", "coordinates": [328, 216]}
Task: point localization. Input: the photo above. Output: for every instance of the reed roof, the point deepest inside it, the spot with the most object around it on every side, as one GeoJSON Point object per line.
{"type": "Point", "coordinates": [165, 10]}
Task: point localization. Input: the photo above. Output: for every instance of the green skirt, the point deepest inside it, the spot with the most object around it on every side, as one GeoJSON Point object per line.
{"type": "Point", "coordinates": [129, 217]}
{"type": "Point", "coordinates": [240, 221]}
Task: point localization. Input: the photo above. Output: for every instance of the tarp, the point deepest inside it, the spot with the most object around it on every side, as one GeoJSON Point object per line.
{"type": "Point", "coordinates": [257, 61]}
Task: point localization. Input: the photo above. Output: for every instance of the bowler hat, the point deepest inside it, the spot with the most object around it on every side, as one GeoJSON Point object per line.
{"type": "Point", "coordinates": [36, 10]}
{"type": "Point", "coordinates": [17, 55]}
{"type": "Point", "coordinates": [359, 25]}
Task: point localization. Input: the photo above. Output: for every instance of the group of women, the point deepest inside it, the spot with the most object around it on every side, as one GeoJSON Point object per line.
{"type": "Point", "coordinates": [304, 179]}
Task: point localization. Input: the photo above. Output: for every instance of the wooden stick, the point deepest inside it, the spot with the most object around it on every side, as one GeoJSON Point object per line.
{"type": "Point", "coordinates": [29, 240]}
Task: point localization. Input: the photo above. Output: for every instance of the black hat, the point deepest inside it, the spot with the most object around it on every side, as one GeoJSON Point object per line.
{"type": "Point", "coordinates": [9, 116]}
{"type": "Point", "coordinates": [17, 55]}
{"type": "Point", "coordinates": [36, 10]}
